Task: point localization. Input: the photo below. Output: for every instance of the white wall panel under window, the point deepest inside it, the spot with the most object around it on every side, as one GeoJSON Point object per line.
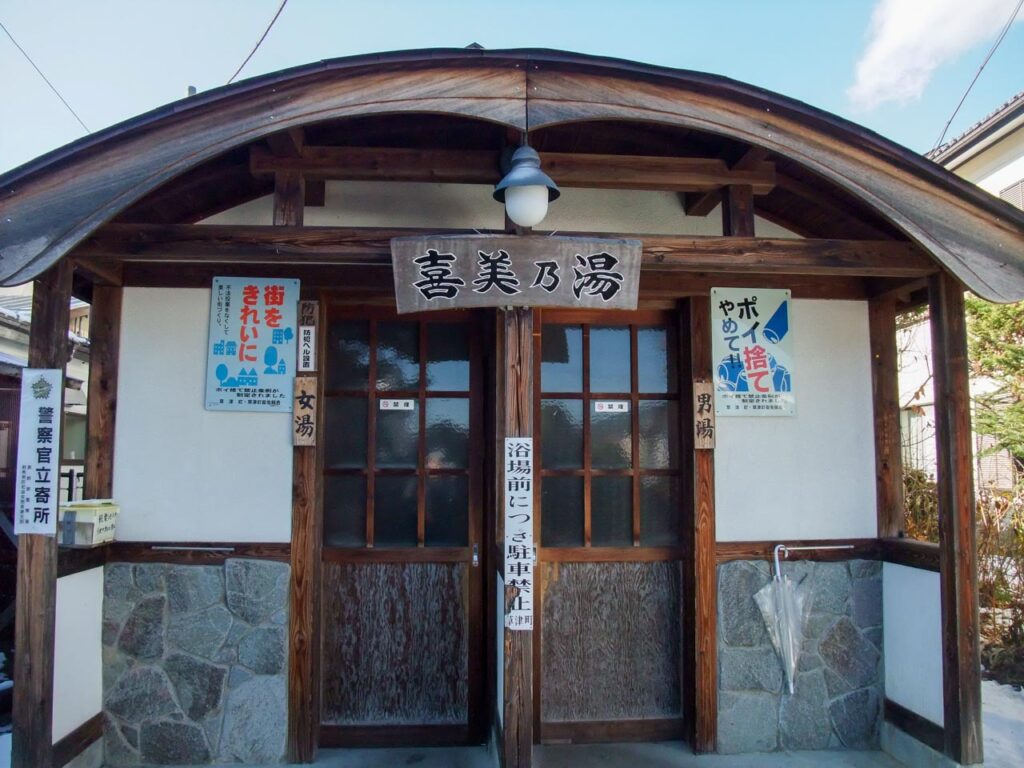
{"type": "Point", "coordinates": [182, 473]}
{"type": "Point", "coordinates": [812, 475]}
{"type": "Point", "coordinates": [912, 617]}
{"type": "Point", "coordinates": [77, 652]}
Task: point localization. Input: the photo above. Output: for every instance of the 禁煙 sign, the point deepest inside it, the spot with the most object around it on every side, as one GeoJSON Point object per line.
{"type": "Point", "coordinates": [463, 271]}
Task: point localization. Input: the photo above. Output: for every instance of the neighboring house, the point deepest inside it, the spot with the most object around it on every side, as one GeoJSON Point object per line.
{"type": "Point", "coordinates": [15, 319]}
{"type": "Point", "coordinates": [990, 154]}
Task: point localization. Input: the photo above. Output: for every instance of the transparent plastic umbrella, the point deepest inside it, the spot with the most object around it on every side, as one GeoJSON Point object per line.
{"type": "Point", "coordinates": [785, 605]}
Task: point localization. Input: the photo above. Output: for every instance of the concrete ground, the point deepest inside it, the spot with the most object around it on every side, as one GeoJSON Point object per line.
{"type": "Point", "coordinates": [668, 755]}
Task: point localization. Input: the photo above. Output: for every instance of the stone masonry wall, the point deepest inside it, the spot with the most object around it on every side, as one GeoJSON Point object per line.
{"type": "Point", "coordinates": [194, 663]}
{"type": "Point", "coordinates": [838, 699]}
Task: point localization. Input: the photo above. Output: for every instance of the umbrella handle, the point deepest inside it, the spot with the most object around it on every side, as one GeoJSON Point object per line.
{"type": "Point", "coordinates": [778, 568]}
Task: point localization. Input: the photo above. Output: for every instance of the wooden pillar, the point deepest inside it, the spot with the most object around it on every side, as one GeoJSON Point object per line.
{"type": "Point", "coordinates": [961, 669]}
{"type": "Point", "coordinates": [517, 731]}
{"type": "Point", "coordinates": [289, 198]}
{"type": "Point", "coordinates": [705, 614]}
{"type": "Point", "coordinates": [885, 390]}
{"type": "Point", "coordinates": [304, 618]}
{"type": "Point", "coordinates": [738, 211]}
{"type": "Point", "coordinates": [737, 221]}
{"type": "Point", "coordinates": [104, 347]}
{"type": "Point", "coordinates": [32, 733]}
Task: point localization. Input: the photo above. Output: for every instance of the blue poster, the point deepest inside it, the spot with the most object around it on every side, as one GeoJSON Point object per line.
{"type": "Point", "coordinates": [752, 351]}
{"type": "Point", "coordinates": [251, 354]}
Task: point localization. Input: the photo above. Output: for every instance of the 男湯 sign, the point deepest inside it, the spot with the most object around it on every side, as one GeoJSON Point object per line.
{"type": "Point", "coordinates": [462, 271]}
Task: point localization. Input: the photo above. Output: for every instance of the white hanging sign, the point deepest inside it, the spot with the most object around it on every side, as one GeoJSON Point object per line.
{"type": "Point", "coordinates": [611, 406]}
{"type": "Point", "coordinates": [308, 313]}
{"type": "Point", "coordinates": [519, 549]}
{"type": "Point", "coordinates": [397, 405]}
{"type": "Point", "coordinates": [37, 485]}
{"type": "Point", "coordinates": [752, 352]}
{"type": "Point", "coordinates": [307, 348]}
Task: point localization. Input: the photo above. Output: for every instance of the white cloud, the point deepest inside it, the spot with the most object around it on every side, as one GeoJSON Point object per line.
{"type": "Point", "coordinates": [909, 39]}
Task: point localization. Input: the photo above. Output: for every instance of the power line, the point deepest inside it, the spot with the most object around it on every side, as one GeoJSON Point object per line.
{"type": "Point", "coordinates": [258, 42]}
{"type": "Point", "coordinates": [45, 78]}
{"type": "Point", "coordinates": [1006, 28]}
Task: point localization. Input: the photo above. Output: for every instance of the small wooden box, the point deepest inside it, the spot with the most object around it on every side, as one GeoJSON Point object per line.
{"type": "Point", "coordinates": [87, 523]}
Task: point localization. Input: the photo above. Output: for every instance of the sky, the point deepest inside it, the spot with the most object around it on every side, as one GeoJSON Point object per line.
{"type": "Point", "coordinates": [898, 67]}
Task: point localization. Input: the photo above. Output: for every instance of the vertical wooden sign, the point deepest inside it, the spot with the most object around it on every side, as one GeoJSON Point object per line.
{"type": "Point", "coordinates": [304, 411]}
{"type": "Point", "coordinates": [703, 415]}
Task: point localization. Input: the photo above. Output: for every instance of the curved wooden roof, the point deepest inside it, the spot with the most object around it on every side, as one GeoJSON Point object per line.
{"type": "Point", "coordinates": [54, 202]}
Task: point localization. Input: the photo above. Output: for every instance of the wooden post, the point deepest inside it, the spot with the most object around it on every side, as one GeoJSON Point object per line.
{"type": "Point", "coordinates": [885, 390]}
{"type": "Point", "coordinates": [958, 566]}
{"type": "Point", "coordinates": [289, 198]}
{"type": "Point", "coordinates": [517, 733]}
{"type": "Point", "coordinates": [104, 347]}
{"type": "Point", "coordinates": [32, 734]}
{"type": "Point", "coordinates": [705, 615]}
{"type": "Point", "coordinates": [304, 619]}
{"type": "Point", "coordinates": [738, 211]}
{"type": "Point", "coordinates": [738, 221]}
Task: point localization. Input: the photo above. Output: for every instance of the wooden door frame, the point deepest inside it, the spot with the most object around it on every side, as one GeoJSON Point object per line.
{"type": "Point", "coordinates": [677, 320]}
{"type": "Point", "coordinates": [474, 731]}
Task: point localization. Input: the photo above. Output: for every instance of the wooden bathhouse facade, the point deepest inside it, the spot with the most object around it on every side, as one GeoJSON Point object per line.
{"type": "Point", "coordinates": [281, 584]}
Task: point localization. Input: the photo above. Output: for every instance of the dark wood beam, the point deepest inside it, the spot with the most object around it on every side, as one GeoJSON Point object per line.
{"type": "Point", "coordinates": [287, 143]}
{"type": "Point", "coordinates": [79, 740]}
{"type": "Point", "coordinates": [704, 560]}
{"type": "Point", "coordinates": [912, 553]}
{"type": "Point", "coordinates": [885, 390]}
{"type": "Point", "coordinates": [35, 612]}
{"type": "Point", "coordinates": [289, 199]}
{"type": "Point", "coordinates": [104, 343]}
{"type": "Point", "coordinates": [316, 193]}
{"type": "Point", "coordinates": [98, 272]}
{"type": "Point", "coordinates": [961, 666]}
{"type": "Point", "coordinates": [910, 722]}
{"type": "Point", "coordinates": [703, 203]}
{"type": "Point", "coordinates": [376, 283]}
{"type": "Point", "coordinates": [681, 174]}
{"type": "Point", "coordinates": [304, 628]}
{"type": "Point", "coordinates": [824, 199]}
{"type": "Point", "coordinates": [516, 750]}
{"type": "Point", "coordinates": [290, 143]}
{"type": "Point", "coordinates": [860, 549]}
{"type": "Point", "coordinates": [738, 211]}
{"type": "Point", "coordinates": [332, 245]}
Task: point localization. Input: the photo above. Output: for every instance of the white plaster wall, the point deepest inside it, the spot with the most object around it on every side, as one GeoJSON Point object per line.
{"type": "Point", "coordinates": [809, 476]}
{"type": "Point", "coordinates": [467, 206]}
{"type": "Point", "coordinates": [912, 620]}
{"type": "Point", "coordinates": [182, 473]}
{"type": "Point", "coordinates": [78, 653]}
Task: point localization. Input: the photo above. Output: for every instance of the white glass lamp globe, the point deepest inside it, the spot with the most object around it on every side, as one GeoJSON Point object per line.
{"type": "Point", "coordinates": [527, 206]}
